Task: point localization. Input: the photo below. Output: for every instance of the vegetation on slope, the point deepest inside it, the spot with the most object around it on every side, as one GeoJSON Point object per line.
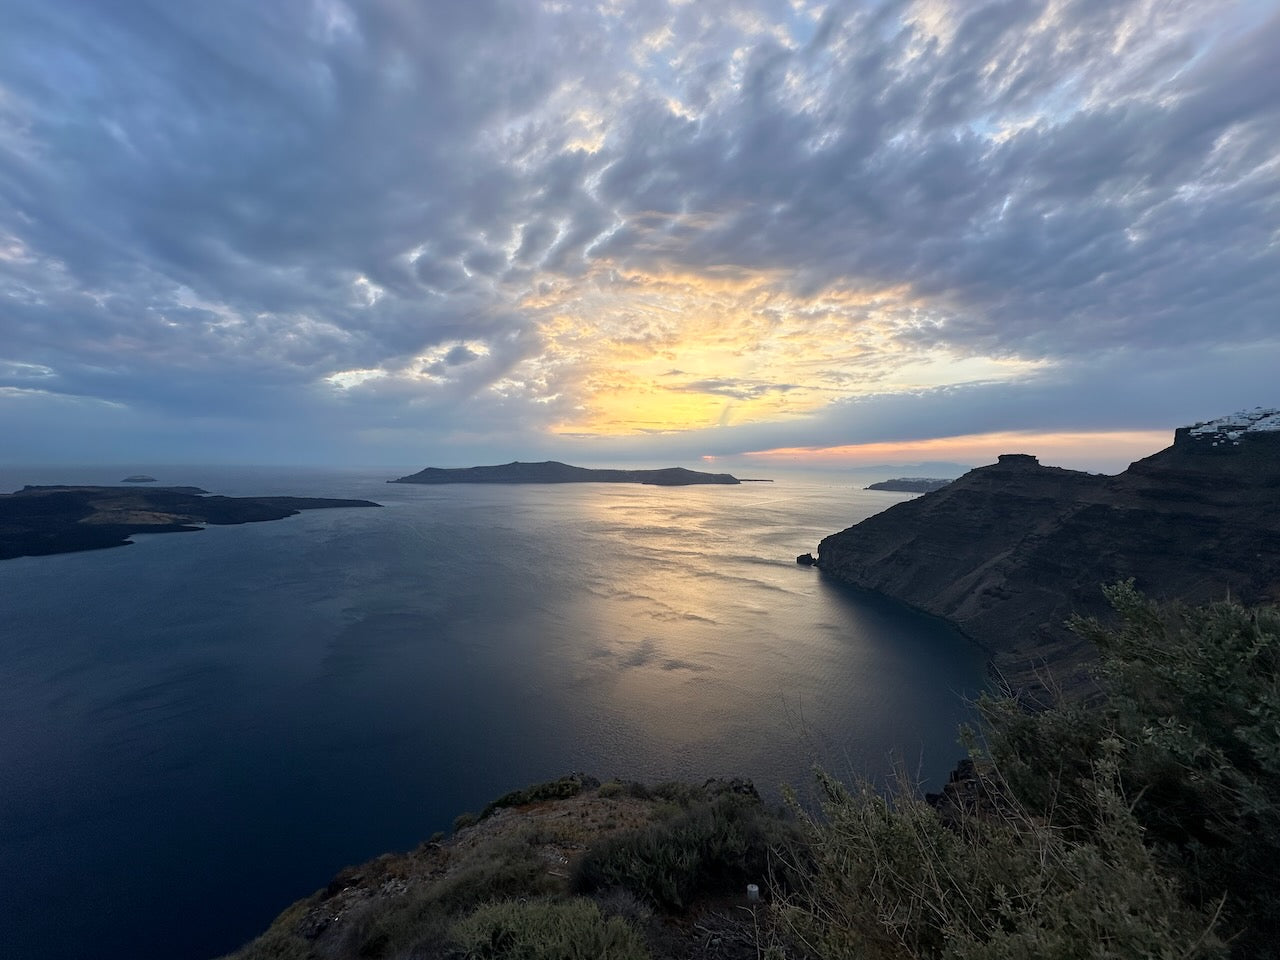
{"type": "Point", "coordinates": [617, 870]}
{"type": "Point", "coordinates": [1191, 728]}
{"type": "Point", "coordinates": [1143, 825]}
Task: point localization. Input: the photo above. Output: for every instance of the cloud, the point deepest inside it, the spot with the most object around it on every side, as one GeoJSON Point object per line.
{"type": "Point", "coordinates": [460, 354]}
{"type": "Point", "coordinates": [737, 389]}
{"type": "Point", "coordinates": [394, 224]}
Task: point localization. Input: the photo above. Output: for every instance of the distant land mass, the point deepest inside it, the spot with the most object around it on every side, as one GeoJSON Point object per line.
{"type": "Point", "coordinates": [552, 471]}
{"type": "Point", "coordinates": [911, 484]}
{"type": "Point", "coordinates": [1009, 551]}
{"type": "Point", "coordinates": [138, 478]}
{"type": "Point", "coordinates": [37, 521]}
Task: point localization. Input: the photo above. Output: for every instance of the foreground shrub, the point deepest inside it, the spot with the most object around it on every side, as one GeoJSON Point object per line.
{"type": "Point", "coordinates": [422, 917]}
{"type": "Point", "coordinates": [709, 846]}
{"type": "Point", "coordinates": [1144, 824]}
{"type": "Point", "coordinates": [1191, 725]}
{"type": "Point", "coordinates": [889, 880]}
{"type": "Point", "coordinates": [560, 789]}
{"type": "Point", "coordinates": [546, 930]}
{"type": "Point", "coordinates": [611, 789]}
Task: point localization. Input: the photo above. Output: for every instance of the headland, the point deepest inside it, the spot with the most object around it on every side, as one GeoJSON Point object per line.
{"type": "Point", "coordinates": [37, 521]}
{"type": "Point", "coordinates": [1008, 552]}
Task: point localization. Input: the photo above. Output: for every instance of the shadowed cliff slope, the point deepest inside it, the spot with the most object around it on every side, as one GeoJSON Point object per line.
{"type": "Point", "coordinates": [1009, 551]}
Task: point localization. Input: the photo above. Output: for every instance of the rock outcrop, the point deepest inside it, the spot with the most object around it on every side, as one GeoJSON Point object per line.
{"type": "Point", "coordinates": [1009, 551]}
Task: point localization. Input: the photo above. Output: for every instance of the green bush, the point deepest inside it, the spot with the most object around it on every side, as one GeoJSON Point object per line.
{"type": "Point", "coordinates": [676, 792]}
{"type": "Point", "coordinates": [464, 820]}
{"type": "Point", "coordinates": [889, 880]}
{"type": "Point", "coordinates": [561, 789]}
{"type": "Point", "coordinates": [1190, 721]}
{"type": "Point", "coordinates": [710, 846]}
{"type": "Point", "coordinates": [424, 915]}
{"type": "Point", "coordinates": [546, 930]}
{"type": "Point", "coordinates": [610, 789]}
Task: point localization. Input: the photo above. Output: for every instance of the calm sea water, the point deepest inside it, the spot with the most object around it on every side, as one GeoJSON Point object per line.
{"type": "Point", "coordinates": [203, 727]}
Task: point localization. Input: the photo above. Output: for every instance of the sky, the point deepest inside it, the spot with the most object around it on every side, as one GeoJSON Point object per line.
{"type": "Point", "coordinates": [776, 233]}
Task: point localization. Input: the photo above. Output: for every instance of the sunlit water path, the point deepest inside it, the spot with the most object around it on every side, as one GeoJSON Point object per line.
{"type": "Point", "coordinates": [203, 727]}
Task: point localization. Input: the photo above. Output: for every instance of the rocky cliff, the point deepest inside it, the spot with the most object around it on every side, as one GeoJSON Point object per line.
{"type": "Point", "coordinates": [1009, 551]}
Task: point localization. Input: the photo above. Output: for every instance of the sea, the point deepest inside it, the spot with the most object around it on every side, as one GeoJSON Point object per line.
{"type": "Point", "coordinates": [200, 728]}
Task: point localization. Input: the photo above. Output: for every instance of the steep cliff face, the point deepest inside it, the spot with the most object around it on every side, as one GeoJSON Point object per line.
{"type": "Point", "coordinates": [1007, 552]}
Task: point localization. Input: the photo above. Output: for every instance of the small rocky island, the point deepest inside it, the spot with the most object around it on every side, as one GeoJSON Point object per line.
{"type": "Point", "coordinates": [138, 478]}
{"type": "Point", "coordinates": [552, 471]}
{"type": "Point", "coordinates": [36, 521]}
{"type": "Point", "coordinates": [910, 484]}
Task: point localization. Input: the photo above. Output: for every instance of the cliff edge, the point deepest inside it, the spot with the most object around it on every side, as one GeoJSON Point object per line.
{"type": "Point", "coordinates": [1009, 551]}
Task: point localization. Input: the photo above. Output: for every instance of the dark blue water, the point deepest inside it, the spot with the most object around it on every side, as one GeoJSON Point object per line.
{"type": "Point", "coordinates": [203, 727]}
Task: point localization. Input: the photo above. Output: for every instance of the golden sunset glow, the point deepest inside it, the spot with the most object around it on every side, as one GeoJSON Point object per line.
{"type": "Point", "coordinates": [1052, 448]}
{"type": "Point", "coordinates": [664, 352]}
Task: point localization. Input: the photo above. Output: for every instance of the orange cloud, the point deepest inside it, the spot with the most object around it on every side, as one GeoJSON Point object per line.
{"type": "Point", "coordinates": [666, 351]}
{"type": "Point", "coordinates": [1086, 449]}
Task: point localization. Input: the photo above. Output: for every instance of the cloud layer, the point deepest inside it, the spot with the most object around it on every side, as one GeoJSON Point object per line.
{"type": "Point", "coordinates": [332, 230]}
